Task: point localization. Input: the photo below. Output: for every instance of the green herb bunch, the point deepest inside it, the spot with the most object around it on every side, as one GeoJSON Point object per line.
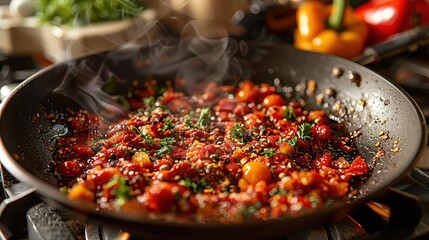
{"type": "Point", "coordinates": [84, 12]}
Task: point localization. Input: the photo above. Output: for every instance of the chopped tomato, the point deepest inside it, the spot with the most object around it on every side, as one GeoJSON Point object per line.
{"type": "Point", "coordinates": [247, 92]}
{"type": "Point", "coordinates": [273, 100]}
{"type": "Point", "coordinates": [164, 197]}
{"type": "Point", "coordinates": [69, 169]}
{"type": "Point", "coordinates": [357, 168]}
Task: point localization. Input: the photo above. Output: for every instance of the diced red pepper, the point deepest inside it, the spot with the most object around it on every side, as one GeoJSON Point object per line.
{"type": "Point", "coordinates": [83, 150]}
{"type": "Point", "coordinates": [163, 197]}
{"type": "Point", "coordinates": [102, 176]}
{"type": "Point", "coordinates": [321, 131]}
{"type": "Point", "coordinates": [69, 169]}
{"type": "Point", "coordinates": [184, 170]}
{"type": "Point", "coordinates": [357, 168]}
{"type": "Point", "coordinates": [247, 92]}
{"type": "Point", "coordinates": [273, 100]}
{"type": "Point", "coordinates": [233, 168]}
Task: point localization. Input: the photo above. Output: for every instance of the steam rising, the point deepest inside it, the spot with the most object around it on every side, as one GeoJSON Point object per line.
{"type": "Point", "coordinates": [197, 56]}
{"type": "Point", "coordinates": [84, 85]}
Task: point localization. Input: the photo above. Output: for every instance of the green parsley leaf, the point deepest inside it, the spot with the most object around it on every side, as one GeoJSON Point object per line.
{"type": "Point", "coordinates": [64, 190]}
{"type": "Point", "coordinates": [168, 124]}
{"type": "Point", "coordinates": [166, 145]}
{"type": "Point", "coordinates": [122, 191]}
{"type": "Point", "coordinates": [196, 187]}
{"type": "Point", "coordinates": [268, 152]}
{"type": "Point", "coordinates": [289, 114]}
{"type": "Point", "coordinates": [160, 90]}
{"type": "Point", "coordinates": [86, 12]}
{"type": "Point", "coordinates": [293, 141]}
{"type": "Point", "coordinates": [249, 210]}
{"type": "Point", "coordinates": [188, 121]}
{"type": "Point", "coordinates": [278, 191]}
{"type": "Point", "coordinates": [149, 101]}
{"type": "Point", "coordinates": [240, 133]}
{"type": "Point", "coordinates": [204, 118]}
{"type": "Point", "coordinates": [304, 131]}
{"type": "Point", "coordinates": [97, 144]}
{"type": "Point", "coordinates": [135, 129]}
{"type": "Point", "coordinates": [148, 139]}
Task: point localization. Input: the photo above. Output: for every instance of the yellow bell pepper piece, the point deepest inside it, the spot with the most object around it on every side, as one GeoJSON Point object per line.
{"type": "Point", "coordinates": [313, 33]}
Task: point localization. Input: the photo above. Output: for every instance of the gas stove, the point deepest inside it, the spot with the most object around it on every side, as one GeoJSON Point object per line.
{"type": "Point", "coordinates": [401, 213]}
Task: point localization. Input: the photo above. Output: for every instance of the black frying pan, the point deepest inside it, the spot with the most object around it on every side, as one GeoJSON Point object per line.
{"type": "Point", "coordinates": [367, 102]}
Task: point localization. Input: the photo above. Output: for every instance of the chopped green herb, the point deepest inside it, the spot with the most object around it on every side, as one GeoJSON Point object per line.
{"type": "Point", "coordinates": [240, 133]}
{"type": "Point", "coordinates": [86, 12]}
{"type": "Point", "coordinates": [215, 156]}
{"type": "Point", "coordinates": [97, 144]}
{"type": "Point", "coordinates": [255, 207]}
{"type": "Point", "coordinates": [166, 145]}
{"type": "Point", "coordinates": [314, 200]}
{"type": "Point", "coordinates": [289, 114]}
{"type": "Point", "coordinates": [304, 131]}
{"type": "Point", "coordinates": [278, 191]}
{"type": "Point", "coordinates": [135, 129]}
{"type": "Point", "coordinates": [122, 192]}
{"type": "Point", "coordinates": [148, 140]}
{"type": "Point", "coordinates": [196, 187]}
{"type": "Point", "coordinates": [268, 152]}
{"type": "Point", "coordinates": [168, 124]}
{"type": "Point", "coordinates": [149, 101]}
{"type": "Point", "coordinates": [204, 119]}
{"type": "Point", "coordinates": [63, 189]}
{"type": "Point", "coordinates": [188, 121]}
{"type": "Point", "coordinates": [160, 90]}
{"type": "Point", "coordinates": [293, 141]}
{"type": "Point", "coordinates": [166, 141]}
{"type": "Point", "coordinates": [250, 210]}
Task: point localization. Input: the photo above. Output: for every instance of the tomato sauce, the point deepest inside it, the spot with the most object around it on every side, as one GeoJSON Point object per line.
{"type": "Point", "coordinates": [221, 155]}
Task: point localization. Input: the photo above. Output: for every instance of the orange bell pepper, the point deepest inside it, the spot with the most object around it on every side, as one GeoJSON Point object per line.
{"type": "Point", "coordinates": [332, 29]}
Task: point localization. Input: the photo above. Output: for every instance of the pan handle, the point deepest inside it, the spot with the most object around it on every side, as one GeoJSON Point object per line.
{"type": "Point", "coordinates": [406, 41]}
{"type": "Point", "coordinates": [420, 176]}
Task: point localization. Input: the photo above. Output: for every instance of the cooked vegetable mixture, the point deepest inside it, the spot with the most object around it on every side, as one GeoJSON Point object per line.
{"type": "Point", "coordinates": [223, 154]}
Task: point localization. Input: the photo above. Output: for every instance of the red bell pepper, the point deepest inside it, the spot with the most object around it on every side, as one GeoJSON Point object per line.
{"type": "Point", "coordinates": [388, 17]}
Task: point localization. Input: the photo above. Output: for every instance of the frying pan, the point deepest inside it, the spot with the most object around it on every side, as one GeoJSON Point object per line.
{"type": "Point", "coordinates": [364, 100]}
